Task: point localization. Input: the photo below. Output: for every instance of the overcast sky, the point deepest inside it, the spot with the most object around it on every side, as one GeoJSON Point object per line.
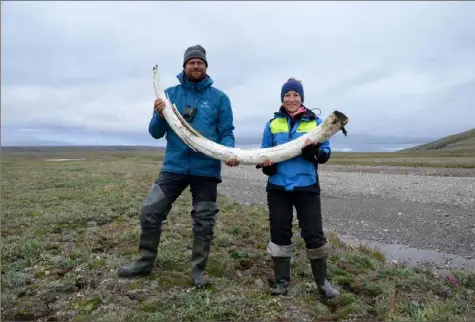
{"type": "Point", "coordinates": [81, 72]}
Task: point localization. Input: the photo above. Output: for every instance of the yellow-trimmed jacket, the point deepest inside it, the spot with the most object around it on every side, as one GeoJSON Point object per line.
{"type": "Point", "coordinates": [298, 173]}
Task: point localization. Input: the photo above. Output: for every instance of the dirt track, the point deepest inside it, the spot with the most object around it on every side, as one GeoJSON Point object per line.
{"type": "Point", "coordinates": [425, 208]}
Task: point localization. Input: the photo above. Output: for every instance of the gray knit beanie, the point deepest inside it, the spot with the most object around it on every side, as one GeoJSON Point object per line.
{"type": "Point", "coordinates": [196, 51]}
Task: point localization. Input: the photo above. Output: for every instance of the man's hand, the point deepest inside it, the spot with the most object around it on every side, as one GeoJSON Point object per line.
{"type": "Point", "coordinates": [232, 163]}
{"type": "Point", "coordinates": [158, 106]}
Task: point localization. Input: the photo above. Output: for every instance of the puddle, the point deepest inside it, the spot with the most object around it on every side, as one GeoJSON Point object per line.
{"type": "Point", "coordinates": [413, 257]}
{"type": "Point", "coordinates": [57, 160]}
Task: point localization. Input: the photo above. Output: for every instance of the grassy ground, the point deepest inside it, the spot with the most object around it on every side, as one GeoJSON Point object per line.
{"type": "Point", "coordinates": [436, 159]}
{"type": "Point", "coordinates": [68, 226]}
{"type": "Point", "coordinates": [450, 158]}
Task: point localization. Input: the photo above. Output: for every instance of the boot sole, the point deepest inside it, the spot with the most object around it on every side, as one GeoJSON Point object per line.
{"type": "Point", "coordinates": [277, 293]}
{"type": "Point", "coordinates": [132, 275]}
{"type": "Point", "coordinates": [327, 297]}
{"type": "Point", "coordinates": [203, 285]}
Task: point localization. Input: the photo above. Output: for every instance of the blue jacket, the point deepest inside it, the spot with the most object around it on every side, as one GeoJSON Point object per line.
{"type": "Point", "coordinates": [213, 119]}
{"type": "Point", "coordinates": [300, 172]}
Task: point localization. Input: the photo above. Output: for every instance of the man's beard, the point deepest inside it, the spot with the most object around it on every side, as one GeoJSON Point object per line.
{"type": "Point", "coordinates": [196, 78]}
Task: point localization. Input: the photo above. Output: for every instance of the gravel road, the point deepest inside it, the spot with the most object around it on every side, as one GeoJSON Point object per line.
{"type": "Point", "coordinates": [424, 208]}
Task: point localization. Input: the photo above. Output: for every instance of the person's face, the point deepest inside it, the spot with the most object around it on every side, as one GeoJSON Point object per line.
{"type": "Point", "coordinates": [195, 69]}
{"type": "Point", "coordinates": [292, 101]}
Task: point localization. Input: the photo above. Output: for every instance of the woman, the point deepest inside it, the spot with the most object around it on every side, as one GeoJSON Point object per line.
{"type": "Point", "coordinates": [295, 183]}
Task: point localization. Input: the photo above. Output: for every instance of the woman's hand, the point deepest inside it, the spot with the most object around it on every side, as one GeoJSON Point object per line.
{"type": "Point", "coordinates": [267, 163]}
{"type": "Point", "coordinates": [310, 150]}
{"type": "Point", "coordinates": [268, 167]}
{"type": "Point", "coordinates": [308, 142]}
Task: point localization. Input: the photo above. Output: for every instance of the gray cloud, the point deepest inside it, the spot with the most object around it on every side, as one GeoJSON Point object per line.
{"type": "Point", "coordinates": [82, 70]}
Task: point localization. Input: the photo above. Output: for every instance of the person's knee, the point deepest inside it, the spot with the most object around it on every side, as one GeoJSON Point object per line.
{"type": "Point", "coordinates": [281, 236]}
{"type": "Point", "coordinates": [314, 238]}
{"type": "Point", "coordinates": [281, 227]}
{"type": "Point", "coordinates": [276, 250]}
{"type": "Point", "coordinates": [203, 214]}
{"type": "Point", "coordinates": [204, 189]}
{"type": "Point", "coordinates": [205, 209]}
{"type": "Point", "coordinates": [155, 208]}
{"type": "Point", "coordinates": [319, 252]}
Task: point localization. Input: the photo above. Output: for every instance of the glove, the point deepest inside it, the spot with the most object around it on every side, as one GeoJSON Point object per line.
{"type": "Point", "coordinates": [269, 170]}
{"type": "Point", "coordinates": [314, 154]}
{"type": "Point", "coordinates": [311, 152]}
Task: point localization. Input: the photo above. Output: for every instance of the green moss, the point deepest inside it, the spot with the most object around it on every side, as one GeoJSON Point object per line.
{"type": "Point", "coordinates": [82, 225]}
{"type": "Point", "coordinates": [353, 310]}
{"type": "Point", "coordinates": [236, 254]}
{"type": "Point", "coordinates": [86, 305]}
{"type": "Point", "coordinates": [372, 289]}
{"type": "Point", "coordinates": [98, 263]}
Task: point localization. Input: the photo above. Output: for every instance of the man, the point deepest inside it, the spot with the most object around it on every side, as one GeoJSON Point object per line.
{"type": "Point", "coordinates": [208, 110]}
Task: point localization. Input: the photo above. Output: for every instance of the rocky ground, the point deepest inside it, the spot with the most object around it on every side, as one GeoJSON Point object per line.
{"type": "Point", "coordinates": [425, 208]}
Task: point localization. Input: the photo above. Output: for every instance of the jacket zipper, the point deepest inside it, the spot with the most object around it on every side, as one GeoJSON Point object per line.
{"type": "Point", "coordinates": [188, 157]}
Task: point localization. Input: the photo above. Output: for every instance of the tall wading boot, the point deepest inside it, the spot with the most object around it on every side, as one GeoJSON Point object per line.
{"type": "Point", "coordinates": [148, 246]}
{"type": "Point", "coordinates": [199, 259]}
{"type": "Point", "coordinates": [282, 275]}
{"type": "Point", "coordinates": [203, 215]}
{"type": "Point", "coordinates": [319, 271]}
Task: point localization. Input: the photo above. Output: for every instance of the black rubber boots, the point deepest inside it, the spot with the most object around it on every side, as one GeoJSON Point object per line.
{"type": "Point", "coordinates": [319, 271]}
{"type": "Point", "coordinates": [148, 246]}
{"type": "Point", "coordinates": [282, 275]}
{"type": "Point", "coordinates": [281, 257]}
{"type": "Point", "coordinates": [318, 263]}
{"type": "Point", "coordinates": [199, 258]}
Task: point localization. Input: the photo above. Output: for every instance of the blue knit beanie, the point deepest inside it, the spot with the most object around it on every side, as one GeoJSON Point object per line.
{"type": "Point", "coordinates": [292, 85]}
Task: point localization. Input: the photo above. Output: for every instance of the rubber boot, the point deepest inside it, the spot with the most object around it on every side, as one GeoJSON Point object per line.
{"type": "Point", "coordinates": [319, 271]}
{"type": "Point", "coordinates": [148, 246]}
{"type": "Point", "coordinates": [282, 275]}
{"type": "Point", "coordinates": [199, 259]}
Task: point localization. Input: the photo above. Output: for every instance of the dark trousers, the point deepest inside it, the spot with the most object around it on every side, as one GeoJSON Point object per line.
{"type": "Point", "coordinates": [309, 214]}
{"type": "Point", "coordinates": [167, 188]}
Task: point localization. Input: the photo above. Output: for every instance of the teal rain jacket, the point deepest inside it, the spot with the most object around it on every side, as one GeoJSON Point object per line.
{"type": "Point", "coordinates": [213, 119]}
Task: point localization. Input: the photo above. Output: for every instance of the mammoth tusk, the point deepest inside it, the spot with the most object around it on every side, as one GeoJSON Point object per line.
{"type": "Point", "coordinates": [331, 125]}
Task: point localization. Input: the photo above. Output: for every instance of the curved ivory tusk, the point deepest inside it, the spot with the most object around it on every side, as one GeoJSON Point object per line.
{"type": "Point", "coordinates": [331, 125]}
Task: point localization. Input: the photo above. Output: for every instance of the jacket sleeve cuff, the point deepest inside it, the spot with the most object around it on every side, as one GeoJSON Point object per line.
{"type": "Point", "coordinates": [309, 157]}
{"type": "Point", "coordinates": [322, 156]}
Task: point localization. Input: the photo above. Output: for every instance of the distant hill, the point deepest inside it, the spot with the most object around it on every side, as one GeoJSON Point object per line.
{"type": "Point", "coordinates": [460, 142]}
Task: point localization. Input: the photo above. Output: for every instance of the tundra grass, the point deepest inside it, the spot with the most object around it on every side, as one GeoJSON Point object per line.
{"type": "Point", "coordinates": [68, 226]}
{"type": "Point", "coordinates": [461, 158]}
{"type": "Point", "coordinates": [432, 159]}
